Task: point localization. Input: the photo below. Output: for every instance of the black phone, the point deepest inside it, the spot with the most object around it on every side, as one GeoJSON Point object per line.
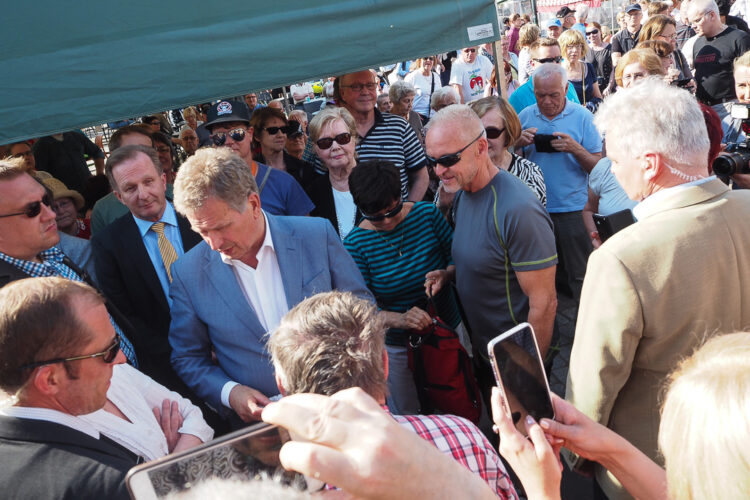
{"type": "Point", "coordinates": [683, 82]}
{"type": "Point", "coordinates": [607, 225]}
{"type": "Point", "coordinates": [543, 143]}
{"type": "Point", "coordinates": [520, 375]}
{"type": "Point", "coordinates": [247, 454]}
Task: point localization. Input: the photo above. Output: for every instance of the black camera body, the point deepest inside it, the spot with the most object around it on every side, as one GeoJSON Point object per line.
{"type": "Point", "coordinates": [736, 156]}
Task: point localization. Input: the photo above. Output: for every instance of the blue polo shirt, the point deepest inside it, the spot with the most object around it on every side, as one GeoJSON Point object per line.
{"type": "Point", "coordinates": [523, 96]}
{"type": "Point", "coordinates": [567, 182]}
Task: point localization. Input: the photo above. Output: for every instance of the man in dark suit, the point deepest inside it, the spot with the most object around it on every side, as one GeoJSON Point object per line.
{"type": "Point", "coordinates": [134, 254]}
{"type": "Point", "coordinates": [57, 350]}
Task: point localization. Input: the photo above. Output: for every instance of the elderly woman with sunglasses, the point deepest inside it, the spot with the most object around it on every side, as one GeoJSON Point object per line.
{"type": "Point", "coordinates": [270, 131]}
{"type": "Point", "coordinates": [599, 54]}
{"type": "Point", "coordinates": [333, 133]}
{"type": "Point", "coordinates": [425, 81]}
{"type": "Point", "coordinates": [396, 246]}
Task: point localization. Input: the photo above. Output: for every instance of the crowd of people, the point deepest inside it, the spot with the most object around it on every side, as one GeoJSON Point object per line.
{"type": "Point", "coordinates": [268, 264]}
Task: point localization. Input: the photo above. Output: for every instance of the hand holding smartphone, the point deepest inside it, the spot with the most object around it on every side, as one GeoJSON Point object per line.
{"type": "Point", "coordinates": [520, 375]}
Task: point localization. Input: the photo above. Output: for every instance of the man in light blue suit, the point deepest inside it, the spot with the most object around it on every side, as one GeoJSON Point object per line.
{"type": "Point", "coordinates": [231, 290]}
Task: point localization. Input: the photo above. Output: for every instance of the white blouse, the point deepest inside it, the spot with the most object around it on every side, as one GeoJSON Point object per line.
{"type": "Point", "coordinates": [135, 394]}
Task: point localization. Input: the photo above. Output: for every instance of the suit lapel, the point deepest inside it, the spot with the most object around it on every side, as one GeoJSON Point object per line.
{"type": "Point", "coordinates": [9, 273]}
{"type": "Point", "coordinates": [132, 243]}
{"type": "Point", "coordinates": [692, 195]}
{"type": "Point", "coordinates": [287, 245]}
{"type": "Point", "coordinates": [225, 283]}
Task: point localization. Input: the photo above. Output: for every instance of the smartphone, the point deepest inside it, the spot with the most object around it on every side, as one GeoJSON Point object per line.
{"type": "Point", "coordinates": [520, 375]}
{"type": "Point", "coordinates": [247, 454]}
{"type": "Point", "coordinates": [607, 225]}
{"type": "Point", "coordinates": [682, 83]}
{"type": "Point", "coordinates": [543, 143]}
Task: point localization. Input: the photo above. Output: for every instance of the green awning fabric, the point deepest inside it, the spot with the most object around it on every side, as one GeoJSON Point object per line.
{"type": "Point", "coordinates": [66, 65]}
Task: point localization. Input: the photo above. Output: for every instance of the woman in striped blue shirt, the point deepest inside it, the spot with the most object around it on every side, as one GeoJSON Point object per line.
{"type": "Point", "coordinates": [395, 247]}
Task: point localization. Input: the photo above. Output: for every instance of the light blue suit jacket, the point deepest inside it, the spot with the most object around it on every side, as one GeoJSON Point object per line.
{"type": "Point", "coordinates": [210, 309]}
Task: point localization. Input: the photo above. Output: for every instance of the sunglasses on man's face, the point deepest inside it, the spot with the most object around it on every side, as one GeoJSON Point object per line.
{"type": "Point", "coordinates": [108, 356]}
{"type": "Point", "coordinates": [327, 142]}
{"type": "Point", "coordinates": [470, 51]}
{"type": "Point", "coordinates": [32, 209]}
{"type": "Point", "coordinates": [391, 213]}
{"type": "Point", "coordinates": [448, 161]}
{"type": "Point", "coordinates": [237, 135]}
{"type": "Point", "coordinates": [592, 32]}
{"type": "Point", "coordinates": [286, 129]}
{"type": "Point", "coordinates": [556, 60]}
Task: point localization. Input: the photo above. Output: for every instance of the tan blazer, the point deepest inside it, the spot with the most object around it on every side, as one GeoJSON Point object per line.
{"type": "Point", "coordinates": [652, 294]}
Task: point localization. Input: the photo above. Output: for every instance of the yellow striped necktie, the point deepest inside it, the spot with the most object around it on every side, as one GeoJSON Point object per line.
{"type": "Point", "coordinates": [167, 251]}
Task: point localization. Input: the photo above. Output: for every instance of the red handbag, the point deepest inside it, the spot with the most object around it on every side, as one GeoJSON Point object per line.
{"type": "Point", "coordinates": [443, 371]}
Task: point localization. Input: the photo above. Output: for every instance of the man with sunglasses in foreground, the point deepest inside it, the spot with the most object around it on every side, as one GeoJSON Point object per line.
{"type": "Point", "coordinates": [503, 244]}
{"type": "Point", "coordinates": [57, 351]}
{"type": "Point", "coordinates": [229, 124]}
{"type": "Point", "coordinates": [544, 50]}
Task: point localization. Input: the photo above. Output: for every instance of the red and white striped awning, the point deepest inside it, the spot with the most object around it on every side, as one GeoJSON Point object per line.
{"type": "Point", "coordinates": [555, 5]}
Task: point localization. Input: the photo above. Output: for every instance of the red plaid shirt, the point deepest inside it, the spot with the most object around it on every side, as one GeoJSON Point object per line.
{"type": "Point", "coordinates": [462, 440]}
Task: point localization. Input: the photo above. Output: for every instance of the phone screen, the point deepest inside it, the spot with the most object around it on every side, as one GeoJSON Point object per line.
{"type": "Point", "coordinates": [251, 453]}
{"type": "Point", "coordinates": [520, 375]}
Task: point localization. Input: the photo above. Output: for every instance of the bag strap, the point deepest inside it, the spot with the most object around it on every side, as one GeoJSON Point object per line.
{"type": "Point", "coordinates": [265, 178]}
{"type": "Point", "coordinates": [583, 82]}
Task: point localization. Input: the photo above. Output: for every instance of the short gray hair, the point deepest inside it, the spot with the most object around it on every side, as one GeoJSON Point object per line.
{"type": "Point", "coordinates": [442, 94]}
{"type": "Point", "coordinates": [126, 153]}
{"type": "Point", "coordinates": [400, 89]}
{"type": "Point", "coordinates": [548, 70]}
{"type": "Point", "coordinates": [703, 6]}
{"type": "Point", "coordinates": [186, 128]}
{"type": "Point", "coordinates": [210, 172]}
{"type": "Point", "coordinates": [459, 116]}
{"type": "Point", "coordinates": [656, 118]}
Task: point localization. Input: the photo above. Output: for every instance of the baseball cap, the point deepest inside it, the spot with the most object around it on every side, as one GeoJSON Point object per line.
{"type": "Point", "coordinates": [227, 111]}
{"type": "Point", "coordinates": [632, 7]}
{"type": "Point", "coordinates": [552, 22]}
{"type": "Point", "coordinates": [564, 12]}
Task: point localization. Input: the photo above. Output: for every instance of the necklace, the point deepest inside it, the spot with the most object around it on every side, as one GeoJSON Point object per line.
{"type": "Point", "coordinates": [341, 227]}
{"type": "Point", "coordinates": [401, 242]}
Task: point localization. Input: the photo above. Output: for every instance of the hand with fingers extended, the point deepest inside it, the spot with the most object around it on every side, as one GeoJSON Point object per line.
{"type": "Point", "coordinates": [347, 440]}
{"type": "Point", "coordinates": [170, 420]}
{"type": "Point", "coordinates": [247, 402]}
{"type": "Point", "coordinates": [534, 460]}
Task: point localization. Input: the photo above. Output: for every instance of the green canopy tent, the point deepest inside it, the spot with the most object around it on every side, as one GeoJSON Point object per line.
{"type": "Point", "coordinates": [67, 65]}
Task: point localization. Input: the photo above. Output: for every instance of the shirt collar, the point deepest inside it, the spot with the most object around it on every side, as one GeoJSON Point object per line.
{"type": "Point", "coordinates": [646, 207]}
{"type": "Point", "coordinates": [565, 112]}
{"type": "Point", "coordinates": [50, 415]}
{"type": "Point", "coordinates": [169, 217]}
{"type": "Point", "coordinates": [267, 243]}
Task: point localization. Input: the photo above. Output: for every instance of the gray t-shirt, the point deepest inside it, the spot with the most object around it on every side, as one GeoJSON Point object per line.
{"type": "Point", "coordinates": [506, 209]}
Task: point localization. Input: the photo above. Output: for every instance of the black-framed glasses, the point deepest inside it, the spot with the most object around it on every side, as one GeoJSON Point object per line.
{"type": "Point", "coordinates": [286, 129]}
{"type": "Point", "coordinates": [108, 356]}
{"type": "Point", "coordinates": [33, 209]}
{"type": "Point", "coordinates": [494, 132]}
{"type": "Point", "coordinates": [469, 50]}
{"type": "Point", "coordinates": [237, 135]}
{"type": "Point", "coordinates": [556, 60]}
{"type": "Point", "coordinates": [449, 160]}
{"type": "Point", "coordinates": [592, 32]}
{"type": "Point", "coordinates": [24, 154]}
{"type": "Point", "coordinates": [327, 142]}
{"type": "Point", "coordinates": [391, 213]}
{"type": "Point", "coordinates": [357, 87]}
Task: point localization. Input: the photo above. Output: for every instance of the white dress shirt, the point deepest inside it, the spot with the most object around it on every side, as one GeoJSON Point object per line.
{"type": "Point", "coordinates": [50, 415]}
{"type": "Point", "coordinates": [263, 290]}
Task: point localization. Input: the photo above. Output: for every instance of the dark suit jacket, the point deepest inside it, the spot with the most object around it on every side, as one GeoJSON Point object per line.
{"type": "Point", "coordinates": [320, 192]}
{"type": "Point", "coordinates": [128, 279]}
{"type": "Point", "coordinates": [40, 459]}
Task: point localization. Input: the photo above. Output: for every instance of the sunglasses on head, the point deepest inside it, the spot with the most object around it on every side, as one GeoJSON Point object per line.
{"type": "Point", "coordinates": [108, 356]}
{"type": "Point", "coordinates": [494, 132]}
{"type": "Point", "coordinates": [592, 32]}
{"type": "Point", "coordinates": [391, 213]}
{"type": "Point", "coordinates": [32, 209]}
{"type": "Point", "coordinates": [556, 60]}
{"type": "Point", "coordinates": [449, 160]}
{"type": "Point", "coordinates": [327, 142]}
{"type": "Point", "coordinates": [220, 138]}
{"type": "Point", "coordinates": [286, 129]}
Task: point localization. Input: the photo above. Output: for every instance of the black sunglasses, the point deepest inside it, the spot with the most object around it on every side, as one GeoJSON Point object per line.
{"type": "Point", "coordinates": [33, 209]}
{"type": "Point", "coordinates": [494, 132]}
{"type": "Point", "coordinates": [592, 32]}
{"type": "Point", "coordinates": [557, 60]}
{"type": "Point", "coordinates": [220, 138]}
{"type": "Point", "coordinates": [327, 142]}
{"type": "Point", "coordinates": [449, 160]}
{"type": "Point", "coordinates": [387, 215]}
{"type": "Point", "coordinates": [287, 129]}
{"type": "Point", "coordinates": [108, 355]}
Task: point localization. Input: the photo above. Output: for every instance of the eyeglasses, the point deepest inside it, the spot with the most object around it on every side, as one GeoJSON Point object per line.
{"type": "Point", "coordinates": [391, 213]}
{"type": "Point", "coordinates": [287, 129]}
{"type": "Point", "coordinates": [469, 51]}
{"type": "Point", "coordinates": [237, 135]}
{"type": "Point", "coordinates": [32, 209]}
{"type": "Point", "coordinates": [108, 356]}
{"type": "Point", "coordinates": [673, 36]}
{"type": "Point", "coordinates": [24, 154]}
{"type": "Point", "coordinates": [494, 132]}
{"type": "Point", "coordinates": [163, 149]}
{"type": "Point", "coordinates": [357, 87]}
{"type": "Point", "coordinates": [341, 140]}
{"type": "Point", "coordinates": [592, 32]}
{"type": "Point", "coordinates": [556, 60]}
{"type": "Point", "coordinates": [449, 160]}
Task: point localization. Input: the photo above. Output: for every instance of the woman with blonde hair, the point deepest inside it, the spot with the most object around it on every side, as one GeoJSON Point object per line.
{"type": "Point", "coordinates": [664, 28]}
{"type": "Point", "coordinates": [528, 34]}
{"type": "Point", "coordinates": [636, 65]}
{"type": "Point", "coordinates": [581, 74]}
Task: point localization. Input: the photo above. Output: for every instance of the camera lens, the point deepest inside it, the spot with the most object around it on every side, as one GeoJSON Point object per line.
{"type": "Point", "coordinates": [725, 164]}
